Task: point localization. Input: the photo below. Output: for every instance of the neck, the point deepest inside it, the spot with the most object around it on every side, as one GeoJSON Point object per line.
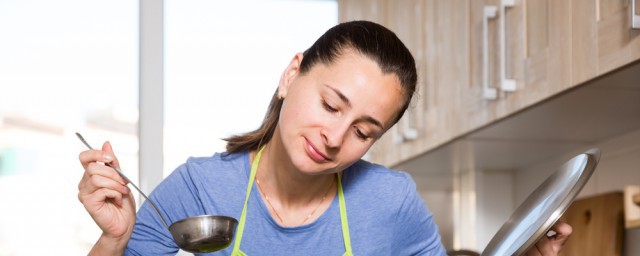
{"type": "Point", "coordinates": [293, 197]}
{"type": "Point", "coordinates": [289, 186]}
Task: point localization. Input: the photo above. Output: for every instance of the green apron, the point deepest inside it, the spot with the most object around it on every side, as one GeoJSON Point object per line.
{"type": "Point", "coordinates": [343, 212]}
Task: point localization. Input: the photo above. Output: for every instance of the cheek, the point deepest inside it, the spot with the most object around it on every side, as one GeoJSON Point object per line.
{"type": "Point", "coordinates": [297, 113]}
{"type": "Point", "coordinates": [303, 110]}
{"type": "Point", "coordinates": [354, 149]}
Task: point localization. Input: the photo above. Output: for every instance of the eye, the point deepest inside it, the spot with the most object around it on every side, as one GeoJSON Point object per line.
{"type": "Point", "coordinates": [328, 107]}
{"type": "Point", "coordinates": [360, 134]}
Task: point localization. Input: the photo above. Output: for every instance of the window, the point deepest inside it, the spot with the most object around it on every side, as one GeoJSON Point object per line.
{"type": "Point", "coordinates": [72, 65]}
{"type": "Point", "coordinates": [65, 66]}
{"type": "Point", "coordinates": [223, 64]}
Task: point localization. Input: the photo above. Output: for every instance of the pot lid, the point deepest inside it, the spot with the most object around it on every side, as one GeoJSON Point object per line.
{"type": "Point", "coordinates": [544, 206]}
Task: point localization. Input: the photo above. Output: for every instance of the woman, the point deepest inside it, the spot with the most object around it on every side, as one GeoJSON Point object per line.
{"type": "Point", "coordinates": [314, 195]}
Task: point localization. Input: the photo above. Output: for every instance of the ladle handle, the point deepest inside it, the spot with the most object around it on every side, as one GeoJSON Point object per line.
{"type": "Point", "coordinates": [128, 180]}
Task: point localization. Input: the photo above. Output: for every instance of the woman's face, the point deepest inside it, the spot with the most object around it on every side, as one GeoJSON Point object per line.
{"type": "Point", "coordinates": [333, 114]}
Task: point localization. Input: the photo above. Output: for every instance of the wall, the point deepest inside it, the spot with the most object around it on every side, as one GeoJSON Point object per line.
{"type": "Point", "coordinates": [494, 205]}
{"type": "Point", "coordinates": [471, 207]}
{"type": "Point", "coordinates": [471, 212]}
{"type": "Point", "coordinates": [619, 166]}
{"type": "Point", "coordinates": [439, 203]}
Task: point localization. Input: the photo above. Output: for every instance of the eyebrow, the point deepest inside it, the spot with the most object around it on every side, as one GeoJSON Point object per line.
{"type": "Point", "coordinates": [344, 98]}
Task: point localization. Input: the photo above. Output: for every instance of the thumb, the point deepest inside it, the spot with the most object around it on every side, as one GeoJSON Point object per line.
{"type": "Point", "coordinates": [563, 231]}
{"type": "Point", "coordinates": [106, 147]}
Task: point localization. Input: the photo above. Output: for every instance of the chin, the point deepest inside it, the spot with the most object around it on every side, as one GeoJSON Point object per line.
{"type": "Point", "coordinates": [306, 165]}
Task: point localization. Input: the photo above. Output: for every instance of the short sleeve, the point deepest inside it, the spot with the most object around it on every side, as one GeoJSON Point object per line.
{"type": "Point", "coordinates": [150, 236]}
{"type": "Point", "coordinates": [416, 232]}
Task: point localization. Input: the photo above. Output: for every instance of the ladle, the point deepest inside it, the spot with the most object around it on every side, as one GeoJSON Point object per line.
{"type": "Point", "coordinates": [199, 234]}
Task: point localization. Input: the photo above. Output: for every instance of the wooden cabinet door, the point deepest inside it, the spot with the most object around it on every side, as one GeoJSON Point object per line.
{"type": "Point", "coordinates": [602, 38]}
{"type": "Point", "coordinates": [372, 10]}
{"type": "Point", "coordinates": [549, 47]}
{"type": "Point", "coordinates": [597, 224]}
{"type": "Point", "coordinates": [547, 66]}
{"type": "Point", "coordinates": [497, 38]}
{"type": "Point", "coordinates": [617, 43]}
{"type": "Point", "coordinates": [407, 20]}
{"type": "Point", "coordinates": [436, 32]}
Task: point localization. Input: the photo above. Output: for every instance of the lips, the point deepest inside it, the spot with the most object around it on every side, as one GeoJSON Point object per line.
{"type": "Point", "coordinates": [314, 153]}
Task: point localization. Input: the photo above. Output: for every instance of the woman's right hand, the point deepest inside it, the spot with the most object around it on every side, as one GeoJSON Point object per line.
{"type": "Point", "coordinates": [105, 195]}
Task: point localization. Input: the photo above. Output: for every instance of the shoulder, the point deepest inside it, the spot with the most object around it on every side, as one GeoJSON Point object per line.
{"type": "Point", "coordinates": [209, 176]}
{"type": "Point", "coordinates": [206, 179]}
{"type": "Point", "coordinates": [202, 170]}
{"type": "Point", "coordinates": [228, 160]}
{"type": "Point", "coordinates": [371, 175]}
{"type": "Point", "coordinates": [368, 183]}
{"type": "Point", "coordinates": [377, 194]}
{"type": "Point", "coordinates": [202, 185]}
{"type": "Point", "coordinates": [210, 167]}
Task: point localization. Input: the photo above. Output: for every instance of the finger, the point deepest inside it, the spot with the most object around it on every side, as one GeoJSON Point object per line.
{"type": "Point", "coordinates": [106, 171]}
{"type": "Point", "coordinates": [544, 246]}
{"type": "Point", "coordinates": [101, 196]}
{"type": "Point", "coordinates": [109, 156]}
{"type": "Point", "coordinates": [101, 170]}
{"type": "Point", "coordinates": [83, 181]}
{"type": "Point", "coordinates": [93, 155]}
{"type": "Point", "coordinates": [109, 196]}
{"type": "Point", "coordinates": [97, 182]}
{"type": "Point", "coordinates": [563, 231]}
{"type": "Point", "coordinates": [562, 228]}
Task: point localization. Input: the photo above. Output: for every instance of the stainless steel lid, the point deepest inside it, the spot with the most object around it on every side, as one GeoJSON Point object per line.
{"type": "Point", "coordinates": [544, 206]}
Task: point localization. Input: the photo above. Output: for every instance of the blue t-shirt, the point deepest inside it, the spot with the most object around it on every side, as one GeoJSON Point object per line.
{"type": "Point", "coordinates": [385, 213]}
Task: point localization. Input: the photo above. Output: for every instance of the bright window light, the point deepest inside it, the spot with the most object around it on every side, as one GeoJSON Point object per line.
{"type": "Point", "coordinates": [65, 66]}
{"type": "Point", "coordinates": [223, 63]}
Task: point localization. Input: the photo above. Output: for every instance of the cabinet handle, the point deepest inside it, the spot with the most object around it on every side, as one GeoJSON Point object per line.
{"type": "Point", "coordinates": [409, 133]}
{"type": "Point", "coordinates": [507, 85]}
{"type": "Point", "coordinates": [635, 18]}
{"type": "Point", "coordinates": [487, 92]}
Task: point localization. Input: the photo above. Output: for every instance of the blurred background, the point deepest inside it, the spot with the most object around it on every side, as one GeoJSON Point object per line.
{"type": "Point", "coordinates": [508, 91]}
{"type": "Point", "coordinates": [74, 66]}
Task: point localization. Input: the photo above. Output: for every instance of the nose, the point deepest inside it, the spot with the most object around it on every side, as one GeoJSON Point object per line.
{"type": "Point", "coordinates": [333, 135]}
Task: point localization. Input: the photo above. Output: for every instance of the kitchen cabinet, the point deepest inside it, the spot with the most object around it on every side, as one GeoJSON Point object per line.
{"type": "Point", "coordinates": [575, 64]}
{"type": "Point", "coordinates": [465, 50]}
{"type": "Point", "coordinates": [371, 10]}
{"type": "Point", "coordinates": [617, 43]}
{"type": "Point", "coordinates": [547, 61]}
{"type": "Point", "coordinates": [597, 224]}
{"type": "Point", "coordinates": [602, 38]}
{"type": "Point", "coordinates": [408, 20]}
{"type": "Point", "coordinates": [438, 40]}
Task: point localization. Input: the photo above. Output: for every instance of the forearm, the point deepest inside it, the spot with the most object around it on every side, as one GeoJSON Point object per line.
{"type": "Point", "coordinates": [109, 246]}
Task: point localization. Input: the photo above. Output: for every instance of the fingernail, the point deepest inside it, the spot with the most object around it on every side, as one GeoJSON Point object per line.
{"type": "Point", "coordinates": [108, 157]}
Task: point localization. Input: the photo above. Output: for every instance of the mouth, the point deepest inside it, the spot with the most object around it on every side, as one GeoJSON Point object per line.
{"type": "Point", "coordinates": [315, 154]}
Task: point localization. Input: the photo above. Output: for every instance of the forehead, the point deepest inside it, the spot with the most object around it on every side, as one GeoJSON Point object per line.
{"type": "Point", "coordinates": [362, 82]}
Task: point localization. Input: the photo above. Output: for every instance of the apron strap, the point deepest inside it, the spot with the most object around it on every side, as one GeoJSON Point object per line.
{"type": "Point", "coordinates": [343, 211]}
{"type": "Point", "coordinates": [343, 218]}
{"type": "Point", "coordinates": [243, 217]}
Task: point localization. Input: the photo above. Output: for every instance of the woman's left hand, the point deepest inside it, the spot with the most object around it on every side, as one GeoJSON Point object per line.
{"type": "Point", "coordinates": [550, 246]}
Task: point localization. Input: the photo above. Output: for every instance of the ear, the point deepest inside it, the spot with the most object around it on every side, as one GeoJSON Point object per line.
{"type": "Point", "coordinates": [289, 75]}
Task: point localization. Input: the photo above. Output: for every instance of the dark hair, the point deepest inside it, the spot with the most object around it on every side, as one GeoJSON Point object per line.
{"type": "Point", "coordinates": [367, 38]}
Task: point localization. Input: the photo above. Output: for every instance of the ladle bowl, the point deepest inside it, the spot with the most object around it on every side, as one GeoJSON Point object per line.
{"type": "Point", "coordinates": [199, 234]}
{"type": "Point", "coordinates": [205, 233]}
